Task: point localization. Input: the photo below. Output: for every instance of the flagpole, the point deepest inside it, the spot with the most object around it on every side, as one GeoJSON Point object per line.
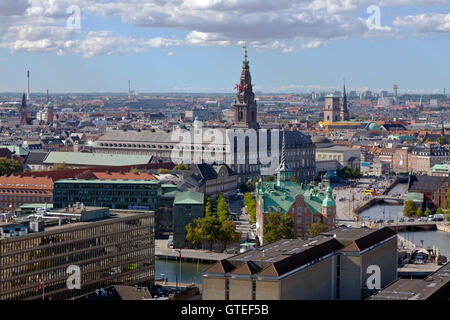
{"type": "Point", "coordinates": [180, 265]}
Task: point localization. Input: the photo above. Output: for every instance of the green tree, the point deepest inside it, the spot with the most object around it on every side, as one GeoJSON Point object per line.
{"type": "Point", "coordinates": [9, 166]}
{"type": "Point", "coordinates": [419, 212]}
{"type": "Point", "coordinates": [442, 140]}
{"type": "Point", "coordinates": [208, 230]}
{"type": "Point", "coordinates": [277, 226]}
{"type": "Point", "coordinates": [250, 204]}
{"type": "Point", "coordinates": [222, 208]}
{"type": "Point", "coordinates": [59, 166]}
{"type": "Point", "coordinates": [447, 199]}
{"type": "Point", "coordinates": [193, 234]}
{"type": "Point", "coordinates": [163, 171]}
{"type": "Point", "coordinates": [409, 209]}
{"type": "Point", "coordinates": [428, 212]}
{"type": "Point", "coordinates": [439, 211]}
{"type": "Point", "coordinates": [182, 166]}
{"type": "Point", "coordinates": [447, 216]}
{"type": "Point", "coordinates": [317, 228]}
{"type": "Point", "coordinates": [228, 234]}
{"type": "Point", "coordinates": [208, 207]}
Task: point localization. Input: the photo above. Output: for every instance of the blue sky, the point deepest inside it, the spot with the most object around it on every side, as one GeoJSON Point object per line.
{"type": "Point", "coordinates": [196, 45]}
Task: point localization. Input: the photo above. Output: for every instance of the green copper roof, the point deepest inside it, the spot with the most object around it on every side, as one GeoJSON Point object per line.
{"type": "Point", "coordinates": [95, 159]}
{"type": "Point", "coordinates": [441, 167]}
{"type": "Point", "coordinates": [189, 197]}
{"type": "Point", "coordinates": [284, 196]}
{"type": "Point", "coordinates": [329, 201]}
{"type": "Point", "coordinates": [374, 126]}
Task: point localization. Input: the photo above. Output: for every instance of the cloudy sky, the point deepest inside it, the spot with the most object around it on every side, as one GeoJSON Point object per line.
{"type": "Point", "coordinates": [196, 45]}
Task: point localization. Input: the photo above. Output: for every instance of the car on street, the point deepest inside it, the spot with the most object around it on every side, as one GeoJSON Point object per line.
{"type": "Point", "coordinates": [411, 220]}
{"type": "Point", "coordinates": [423, 219]}
{"type": "Point", "coordinates": [390, 221]}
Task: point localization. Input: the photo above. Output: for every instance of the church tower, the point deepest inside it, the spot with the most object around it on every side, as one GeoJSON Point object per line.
{"type": "Point", "coordinates": [283, 172]}
{"type": "Point", "coordinates": [344, 110]}
{"type": "Point", "coordinates": [332, 111]}
{"type": "Point", "coordinates": [245, 109]}
{"type": "Point", "coordinates": [23, 111]}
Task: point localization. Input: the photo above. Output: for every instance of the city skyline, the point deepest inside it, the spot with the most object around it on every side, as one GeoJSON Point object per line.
{"type": "Point", "coordinates": [294, 46]}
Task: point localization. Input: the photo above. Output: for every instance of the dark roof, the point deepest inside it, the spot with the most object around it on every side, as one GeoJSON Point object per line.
{"type": "Point", "coordinates": [5, 153]}
{"type": "Point", "coordinates": [434, 287]}
{"type": "Point", "coordinates": [247, 268]}
{"type": "Point", "coordinates": [35, 157]}
{"type": "Point", "coordinates": [370, 239]}
{"type": "Point", "coordinates": [425, 183]}
{"type": "Point", "coordinates": [222, 266]}
{"type": "Point", "coordinates": [206, 171]}
{"type": "Point", "coordinates": [282, 256]}
{"type": "Point", "coordinates": [300, 259]}
{"type": "Point", "coordinates": [393, 126]}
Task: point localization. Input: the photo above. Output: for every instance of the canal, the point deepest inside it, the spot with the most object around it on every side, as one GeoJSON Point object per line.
{"type": "Point", "coordinates": [191, 272]}
{"type": "Point", "coordinates": [394, 212]}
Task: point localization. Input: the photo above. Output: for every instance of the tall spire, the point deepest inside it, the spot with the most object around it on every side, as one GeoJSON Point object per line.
{"type": "Point", "coordinates": [245, 114]}
{"type": "Point", "coordinates": [245, 62]}
{"type": "Point", "coordinates": [283, 154]}
{"type": "Point", "coordinates": [344, 110]}
{"type": "Point", "coordinates": [283, 173]}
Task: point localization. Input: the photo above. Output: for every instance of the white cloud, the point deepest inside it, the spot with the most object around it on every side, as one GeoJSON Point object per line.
{"type": "Point", "coordinates": [432, 22]}
{"type": "Point", "coordinates": [284, 25]}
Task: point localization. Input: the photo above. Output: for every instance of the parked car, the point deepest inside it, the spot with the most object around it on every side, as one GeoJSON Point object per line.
{"type": "Point", "coordinates": [423, 219]}
{"type": "Point", "coordinates": [411, 220]}
{"type": "Point", "coordinates": [390, 221]}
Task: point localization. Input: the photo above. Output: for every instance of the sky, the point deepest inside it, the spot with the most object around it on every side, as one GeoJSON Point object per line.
{"type": "Point", "coordinates": [294, 46]}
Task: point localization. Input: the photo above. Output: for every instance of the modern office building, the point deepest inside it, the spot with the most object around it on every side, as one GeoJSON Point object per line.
{"type": "Point", "coordinates": [114, 194]}
{"type": "Point", "coordinates": [336, 265]}
{"type": "Point", "coordinates": [110, 248]}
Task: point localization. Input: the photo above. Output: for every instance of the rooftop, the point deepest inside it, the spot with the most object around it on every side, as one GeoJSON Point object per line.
{"type": "Point", "coordinates": [95, 159]}
{"type": "Point", "coordinates": [434, 287]}
{"type": "Point", "coordinates": [283, 196]}
{"type": "Point", "coordinates": [104, 181]}
{"type": "Point", "coordinates": [280, 257]}
{"type": "Point", "coordinates": [189, 197]}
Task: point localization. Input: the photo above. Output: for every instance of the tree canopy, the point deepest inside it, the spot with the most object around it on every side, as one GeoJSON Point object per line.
{"type": "Point", "coordinates": [9, 166]}
{"type": "Point", "coordinates": [59, 166]}
{"type": "Point", "coordinates": [409, 208]}
{"type": "Point", "coordinates": [316, 228]}
{"type": "Point", "coordinates": [250, 204]}
{"type": "Point", "coordinates": [278, 226]}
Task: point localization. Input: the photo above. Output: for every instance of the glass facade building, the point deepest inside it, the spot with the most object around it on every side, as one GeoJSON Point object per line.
{"type": "Point", "coordinates": [114, 194]}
